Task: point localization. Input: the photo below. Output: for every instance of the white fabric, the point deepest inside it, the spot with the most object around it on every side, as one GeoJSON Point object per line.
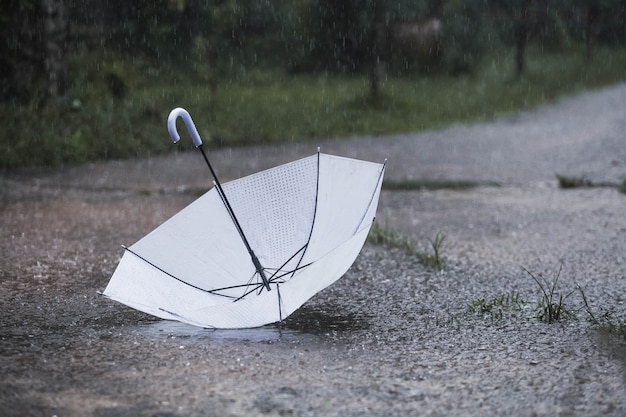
{"type": "Point", "coordinates": [169, 272]}
{"type": "Point", "coordinates": [276, 208]}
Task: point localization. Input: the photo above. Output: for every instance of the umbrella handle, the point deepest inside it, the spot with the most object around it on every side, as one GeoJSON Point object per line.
{"type": "Point", "coordinates": [191, 127]}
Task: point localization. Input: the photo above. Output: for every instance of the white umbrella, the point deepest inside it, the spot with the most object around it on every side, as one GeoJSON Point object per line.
{"type": "Point", "coordinates": [251, 251]}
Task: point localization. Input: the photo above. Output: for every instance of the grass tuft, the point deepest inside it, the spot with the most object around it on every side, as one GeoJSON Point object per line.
{"type": "Point", "coordinates": [551, 305]}
{"type": "Point", "coordinates": [434, 184]}
{"type": "Point", "coordinates": [434, 260]}
{"type": "Point", "coordinates": [388, 237]}
{"type": "Point", "coordinates": [573, 182]}
{"type": "Point", "coordinates": [549, 309]}
{"type": "Point", "coordinates": [566, 182]}
{"type": "Point", "coordinates": [606, 322]}
{"type": "Point", "coordinates": [497, 306]}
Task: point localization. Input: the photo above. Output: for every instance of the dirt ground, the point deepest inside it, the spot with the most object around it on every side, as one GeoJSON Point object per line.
{"type": "Point", "coordinates": [392, 337]}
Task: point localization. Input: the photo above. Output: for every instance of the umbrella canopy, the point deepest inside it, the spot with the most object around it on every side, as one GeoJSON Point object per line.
{"type": "Point", "coordinates": [251, 251]}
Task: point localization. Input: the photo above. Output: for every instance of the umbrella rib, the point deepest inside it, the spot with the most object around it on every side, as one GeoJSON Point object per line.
{"type": "Point", "coordinates": [380, 177]}
{"type": "Point", "coordinates": [280, 301]}
{"type": "Point", "coordinates": [302, 249]}
{"type": "Point", "coordinates": [182, 281]}
{"type": "Point", "coordinates": [185, 319]}
{"type": "Point", "coordinates": [276, 277]}
{"type": "Point", "coordinates": [273, 279]}
{"type": "Point", "coordinates": [306, 245]}
{"type": "Point", "coordinates": [216, 291]}
{"type": "Point", "coordinates": [256, 287]}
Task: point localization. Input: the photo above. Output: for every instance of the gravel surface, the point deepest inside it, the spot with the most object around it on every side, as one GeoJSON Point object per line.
{"type": "Point", "coordinates": [392, 337]}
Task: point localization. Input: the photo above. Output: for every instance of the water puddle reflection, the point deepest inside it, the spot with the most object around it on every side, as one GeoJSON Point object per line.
{"type": "Point", "coordinates": [323, 321]}
{"type": "Point", "coordinates": [306, 323]}
{"type": "Point", "coordinates": [268, 333]}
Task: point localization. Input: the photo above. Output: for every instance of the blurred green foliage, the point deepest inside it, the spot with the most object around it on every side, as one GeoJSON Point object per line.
{"type": "Point", "coordinates": [265, 71]}
{"type": "Point", "coordinates": [270, 106]}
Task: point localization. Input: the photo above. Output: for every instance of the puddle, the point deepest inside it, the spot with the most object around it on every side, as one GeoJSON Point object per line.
{"type": "Point", "coordinates": [305, 323]}
{"type": "Point", "coordinates": [270, 333]}
{"type": "Point", "coordinates": [315, 321]}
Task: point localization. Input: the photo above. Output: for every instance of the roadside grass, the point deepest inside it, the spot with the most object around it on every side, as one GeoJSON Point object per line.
{"type": "Point", "coordinates": [385, 236]}
{"type": "Point", "coordinates": [117, 106]}
{"type": "Point", "coordinates": [550, 308]}
{"type": "Point", "coordinates": [609, 324]}
{"type": "Point", "coordinates": [434, 184]}
{"type": "Point", "coordinates": [605, 321]}
{"type": "Point", "coordinates": [496, 307]}
{"type": "Point", "coordinates": [573, 182]}
{"type": "Point", "coordinates": [569, 182]}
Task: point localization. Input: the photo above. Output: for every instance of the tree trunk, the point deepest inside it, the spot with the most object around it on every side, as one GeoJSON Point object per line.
{"type": "Point", "coordinates": [377, 73]}
{"type": "Point", "coordinates": [623, 29]}
{"type": "Point", "coordinates": [55, 28]}
{"type": "Point", "coordinates": [521, 36]}
{"type": "Point", "coordinates": [32, 49]}
{"type": "Point", "coordinates": [20, 50]}
{"type": "Point", "coordinates": [592, 14]}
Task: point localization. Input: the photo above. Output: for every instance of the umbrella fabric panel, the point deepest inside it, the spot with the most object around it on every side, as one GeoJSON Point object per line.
{"type": "Point", "coordinates": [141, 287]}
{"type": "Point", "coordinates": [199, 246]}
{"type": "Point", "coordinates": [346, 202]}
{"type": "Point", "coordinates": [321, 274]}
{"type": "Point", "coordinates": [275, 209]}
{"type": "Point", "coordinates": [152, 291]}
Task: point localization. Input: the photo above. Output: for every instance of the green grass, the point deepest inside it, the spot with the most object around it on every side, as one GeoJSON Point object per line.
{"type": "Point", "coordinates": [605, 321]}
{"type": "Point", "coordinates": [551, 306]}
{"type": "Point", "coordinates": [381, 235]}
{"type": "Point", "coordinates": [434, 184]}
{"type": "Point", "coordinates": [101, 119]}
{"type": "Point", "coordinates": [496, 307]}
{"type": "Point", "coordinates": [573, 182]}
{"type": "Point", "coordinates": [569, 182]}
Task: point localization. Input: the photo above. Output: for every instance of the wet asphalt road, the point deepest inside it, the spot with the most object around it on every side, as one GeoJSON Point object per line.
{"type": "Point", "coordinates": [392, 337]}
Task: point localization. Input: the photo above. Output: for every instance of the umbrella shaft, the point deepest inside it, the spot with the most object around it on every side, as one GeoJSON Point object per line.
{"type": "Point", "coordinates": [259, 269]}
{"type": "Point", "coordinates": [218, 185]}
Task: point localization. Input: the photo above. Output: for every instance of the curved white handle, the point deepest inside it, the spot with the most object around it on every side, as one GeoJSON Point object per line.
{"type": "Point", "coordinates": [171, 126]}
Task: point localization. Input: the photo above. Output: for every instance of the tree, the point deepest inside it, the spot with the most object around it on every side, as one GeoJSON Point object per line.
{"type": "Point", "coordinates": [33, 49]}
{"type": "Point", "coordinates": [55, 34]}
{"type": "Point", "coordinates": [378, 34]}
{"type": "Point", "coordinates": [521, 34]}
{"type": "Point", "coordinates": [593, 10]}
{"type": "Point", "coordinates": [518, 13]}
